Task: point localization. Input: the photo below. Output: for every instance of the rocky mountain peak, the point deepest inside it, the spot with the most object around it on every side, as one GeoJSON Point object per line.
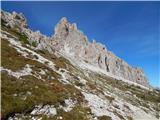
{"type": "Point", "coordinates": [72, 42]}
{"type": "Point", "coordinates": [63, 20]}
{"type": "Point", "coordinates": [68, 36]}
{"type": "Point", "coordinates": [61, 26]}
{"type": "Point", "coordinates": [64, 27]}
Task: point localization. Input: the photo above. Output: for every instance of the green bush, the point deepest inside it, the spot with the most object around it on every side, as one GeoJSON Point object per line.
{"type": "Point", "coordinates": [104, 118]}
{"type": "Point", "coordinates": [34, 44]}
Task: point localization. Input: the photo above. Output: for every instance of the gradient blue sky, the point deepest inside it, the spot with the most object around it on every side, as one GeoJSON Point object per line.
{"type": "Point", "coordinates": [129, 29]}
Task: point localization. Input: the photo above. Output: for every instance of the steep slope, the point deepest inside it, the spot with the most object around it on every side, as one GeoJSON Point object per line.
{"type": "Point", "coordinates": [40, 82]}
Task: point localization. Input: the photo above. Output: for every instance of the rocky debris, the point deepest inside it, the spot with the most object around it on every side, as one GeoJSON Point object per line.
{"type": "Point", "coordinates": [69, 104]}
{"type": "Point", "coordinates": [23, 117]}
{"type": "Point", "coordinates": [74, 44]}
{"type": "Point", "coordinates": [42, 72]}
{"type": "Point", "coordinates": [48, 110]}
{"type": "Point", "coordinates": [117, 109]}
{"type": "Point", "coordinates": [24, 72]}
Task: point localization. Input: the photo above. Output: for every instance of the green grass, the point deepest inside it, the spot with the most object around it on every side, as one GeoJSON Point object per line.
{"type": "Point", "coordinates": [143, 97]}
{"type": "Point", "coordinates": [43, 93]}
{"type": "Point", "coordinates": [129, 118]}
{"type": "Point", "coordinates": [104, 118]}
{"type": "Point", "coordinates": [11, 59]}
{"type": "Point", "coordinates": [34, 44]}
{"type": "Point", "coordinates": [60, 62]}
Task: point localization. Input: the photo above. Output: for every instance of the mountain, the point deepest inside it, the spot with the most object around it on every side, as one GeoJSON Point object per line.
{"type": "Point", "coordinates": [67, 77]}
{"type": "Point", "coordinates": [69, 40]}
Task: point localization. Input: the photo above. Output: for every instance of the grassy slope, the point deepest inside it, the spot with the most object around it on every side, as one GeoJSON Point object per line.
{"type": "Point", "coordinates": [15, 98]}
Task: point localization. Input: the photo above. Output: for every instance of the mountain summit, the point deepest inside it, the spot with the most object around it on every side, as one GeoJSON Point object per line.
{"type": "Point", "coordinates": [68, 39]}
{"type": "Point", "coordinates": [66, 77]}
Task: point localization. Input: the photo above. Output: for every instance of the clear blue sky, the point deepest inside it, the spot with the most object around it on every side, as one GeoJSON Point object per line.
{"type": "Point", "coordinates": [129, 29]}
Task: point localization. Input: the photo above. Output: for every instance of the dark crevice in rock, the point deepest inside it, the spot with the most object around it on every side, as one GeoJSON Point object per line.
{"type": "Point", "coordinates": [107, 65]}
{"type": "Point", "coordinates": [99, 61]}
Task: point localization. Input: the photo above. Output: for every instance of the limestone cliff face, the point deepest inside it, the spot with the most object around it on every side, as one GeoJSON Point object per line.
{"type": "Point", "coordinates": [70, 40]}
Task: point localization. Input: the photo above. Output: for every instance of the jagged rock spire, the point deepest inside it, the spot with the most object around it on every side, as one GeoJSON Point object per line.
{"type": "Point", "coordinates": [64, 27]}
{"type": "Point", "coordinates": [67, 34]}
{"type": "Point", "coordinates": [61, 28]}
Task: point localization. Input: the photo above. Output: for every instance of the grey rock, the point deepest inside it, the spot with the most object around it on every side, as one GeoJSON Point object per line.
{"type": "Point", "coordinates": [69, 40]}
{"type": "Point", "coordinates": [48, 110]}
{"type": "Point", "coordinates": [14, 20]}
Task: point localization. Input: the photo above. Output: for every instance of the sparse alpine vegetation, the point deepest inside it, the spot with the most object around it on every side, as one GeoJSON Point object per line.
{"type": "Point", "coordinates": [40, 83]}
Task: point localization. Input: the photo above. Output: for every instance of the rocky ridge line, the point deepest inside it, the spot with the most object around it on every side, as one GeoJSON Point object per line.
{"type": "Point", "coordinates": [72, 42]}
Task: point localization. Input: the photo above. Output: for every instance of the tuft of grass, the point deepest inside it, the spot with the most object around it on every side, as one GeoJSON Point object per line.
{"type": "Point", "coordinates": [91, 86]}
{"type": "Point", "coordinates": [34, 44]}
{"type": "Point", "coordinates": [129, 118]}
{"type": "Point", "coordinates": [77, 83]}
{"type": "Point", "coordinates": [104, 118]}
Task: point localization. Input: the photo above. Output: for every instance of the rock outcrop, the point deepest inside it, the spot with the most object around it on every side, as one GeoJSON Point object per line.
{"type": "Point", "coordinates": [71, 41]}
{"type": "Point", "coordinates": [13, 20]}
{"type": "Point", "coordinates": [18, 22]}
